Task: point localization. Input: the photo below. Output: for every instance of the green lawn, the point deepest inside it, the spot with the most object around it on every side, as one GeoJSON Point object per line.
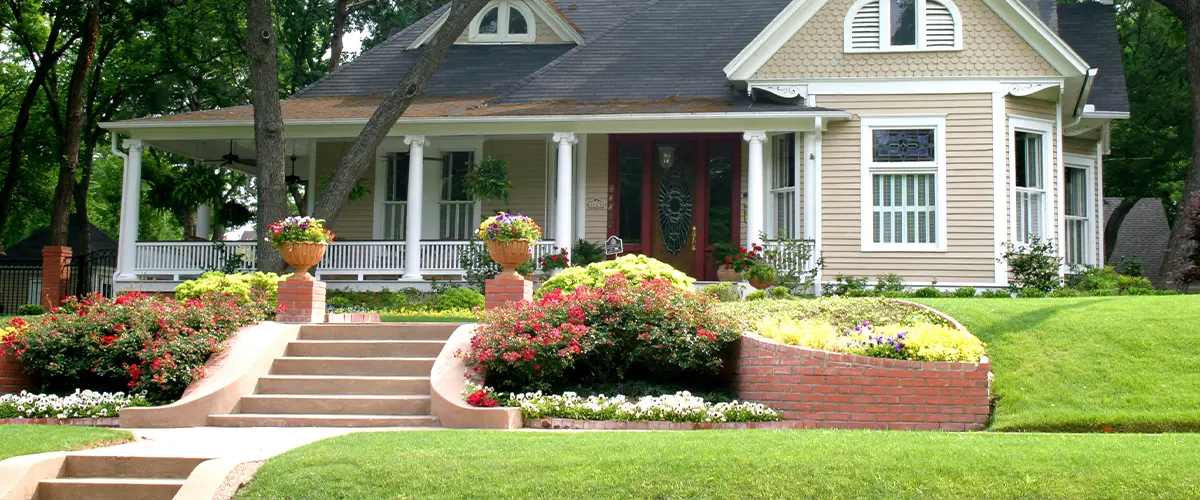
{"type": "Point", "coordinates": [733, 464]}
{"type": "Point", "coordinates": [18, 440]}
{"type": "Point", "coordinates": [1090, 364]}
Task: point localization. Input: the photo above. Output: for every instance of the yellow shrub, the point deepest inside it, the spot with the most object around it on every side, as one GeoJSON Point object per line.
{"type": "Point", "coordinates": [937, 342]}
{"type": "Point", "coordinates": [813, 333]}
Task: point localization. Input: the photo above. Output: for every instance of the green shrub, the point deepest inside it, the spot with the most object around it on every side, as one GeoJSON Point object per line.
{"type": "Point", "coordinates": [779, 293]}
{"type": "Point", "coordinates": [339, 303]}
{"type": "Point", "coordinates": [1031, 293]}
{"type": "Point", "coordinates": [927, 293]}
{"type": "Point", "coordinates": [845, 285]}
{"type": "Point", "coordinates": [757, 295]}
{"type": "Point", "coordinates": [31, 310]}
{"type": "Point", "coordinates": [921, 342]}
{"type": "Point", "coordinates": [377, 300]}
{"type": "Point", "coordinates": [1131, 267]}
{"type": "Point", "coordinates": [460, 298]}
{"type": "Point", "coordinates": [722, 292]}
{"type": "Point", "coordinates": [761, 271]}
{"type": "Point", "coordinates": [623, 330]}
{"type": "Point", "coordinates": [1094, 278]}
{"type": "Point", "coordinates": [477, 264]}
{"type": "Point", "coordinates": [889, 282]}
{"type": "Point", "coordinates": [1129, 285]}
{"type": "Point", "coordinates": [996, 294]}
{"type": "Point", "coordinates": [243, 286]}
{"type": "Point", "coordinates": [1064, 293]}
{"type": "Point", "coordinates": [1033, 266]}
{"type": "Point", "coordinates": [586, 252]}
{"type": "Point", "coordinates": [635, 268]}
{"type": "Point", "coordinates": [965, 292]}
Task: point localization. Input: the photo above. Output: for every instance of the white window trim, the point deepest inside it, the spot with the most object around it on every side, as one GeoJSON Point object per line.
{"type": "Point", "coordinates": [502, 36]}
{"type": "Point", "coordinates": [773, 223]}
{"type": "Point", "coordinates": [885, 38]}
{"type": "Point", "coordinates": [869, 167]}
{"type": "Point", "coordinates": [1046, 129]}
{"type": "Point", "coordinates": [1088, 164]}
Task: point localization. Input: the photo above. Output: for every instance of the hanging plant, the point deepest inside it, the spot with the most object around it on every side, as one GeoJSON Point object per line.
{"type": "Point", "coordinates": [488, 180]}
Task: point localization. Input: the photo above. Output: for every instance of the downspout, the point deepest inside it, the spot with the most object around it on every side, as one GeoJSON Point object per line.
{"type": "Point", "coordinates": [1084, 93]}
{"type": "Point", "coordinates": [116, 150]}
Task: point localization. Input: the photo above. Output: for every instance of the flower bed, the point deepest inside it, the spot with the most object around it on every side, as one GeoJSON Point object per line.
{"type": "Point", "coordinates": [617, 425]}
{"type": "Point", "coordinates": [681, 407]}
{"type": "Point", "coordinates": [80, 404]}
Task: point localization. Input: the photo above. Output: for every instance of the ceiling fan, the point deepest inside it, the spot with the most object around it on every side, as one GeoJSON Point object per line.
{"type": "Point", "coordinates": [294, 179]}
{"type": "Point", "coordinates": [231, 158]}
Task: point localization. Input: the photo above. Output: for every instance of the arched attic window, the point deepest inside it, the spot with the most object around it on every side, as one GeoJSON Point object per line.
{"type": "Point", "coordinates": [503, 21]}
{"type": "Point", "coordinates": [902, 26]}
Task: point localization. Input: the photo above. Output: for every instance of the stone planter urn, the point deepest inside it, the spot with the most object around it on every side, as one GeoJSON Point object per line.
{"type": "Point", "coordinates": [302, 256]}
{"type": "Point", "coordinates": [509, 254]}
{"type": "Point", "coordinates": [761, 284]}
{"type": "Point", "coordinates": [726, 273]}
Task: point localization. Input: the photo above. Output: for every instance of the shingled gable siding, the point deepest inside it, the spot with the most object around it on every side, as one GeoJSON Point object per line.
{"type": "Point", "coordinates": [970, 247]}
{"type": "Point", "coordinates": [990, 48]}
{"type": "Point", "coordinates": [356, 221]}
{"type": "Point", "coordinates": [527, 172]}
{"type": "Point", "coordinates": [1028, 107]}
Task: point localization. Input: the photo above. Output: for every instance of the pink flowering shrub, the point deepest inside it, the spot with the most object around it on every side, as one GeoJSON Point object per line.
{"type": "Point", "coordinates": [134, 343]}
{"type": "Point", "coordinates": [623, 330]}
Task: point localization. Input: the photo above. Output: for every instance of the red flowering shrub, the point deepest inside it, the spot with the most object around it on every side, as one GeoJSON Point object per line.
{"type": "Point", "coordinates": [649, 331]}
{"type": "Point", "coordinates": [134, 343]}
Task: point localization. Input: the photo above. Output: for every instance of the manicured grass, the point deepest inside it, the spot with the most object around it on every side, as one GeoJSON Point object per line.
{"type": "Point", "coordinates": [1089, 364]}
{"type": "Point", "coordinates": [733, 464]}
{"type": "Point", "coordinates": [18, 440]}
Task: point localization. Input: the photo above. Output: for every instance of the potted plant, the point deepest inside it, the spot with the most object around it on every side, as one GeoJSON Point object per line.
{"type": "Point", "coordinates": [301, 242]}
{"type": "Point", "coordinates": [741, 260]}
{"type": "Point", "coordinates": [723, 254]}
{"type": "Point", "coordinates": [554, 263]}
{"type": "Point", "coordinates": [762, 275]}
{"type": "Point", "coordinates": [509, 238]}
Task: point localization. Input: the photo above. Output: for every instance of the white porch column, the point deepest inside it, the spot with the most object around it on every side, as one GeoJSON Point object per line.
{"type": "Point", "coordinates": [412, 225]}
{"type": "Point", "coordinates": [204, 221]}
{"type": "Point", "coordinates": [755, 190]}
{"type": "Point", "coordinates": [131, 203]}
{"type": "Point", "coordinates": [562, 208]}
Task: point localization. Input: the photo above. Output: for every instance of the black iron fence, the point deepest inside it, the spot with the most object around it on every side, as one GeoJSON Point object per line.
{"type": "Point", "coordinates": [92, 273]}
{"type": "Point", "coordinates": [21, 281]}
{"type": "Point", "coordinates": [20, 284]}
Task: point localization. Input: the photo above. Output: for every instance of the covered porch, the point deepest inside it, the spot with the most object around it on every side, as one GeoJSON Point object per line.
{"type": "Point", "coordinates": [672, 190]}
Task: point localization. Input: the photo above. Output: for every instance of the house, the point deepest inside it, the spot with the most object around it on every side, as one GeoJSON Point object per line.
{"type": "Point", "coordinates": [21, 266]}
{"type": "Point", "coordinates": [1143, 236]}
{"type": "Point", "coordinates": [895, 136]}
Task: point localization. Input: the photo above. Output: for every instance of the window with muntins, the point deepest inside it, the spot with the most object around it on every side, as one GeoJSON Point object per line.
{"type": "Point", "coordinates": [456, 210]}
{"type": "Point", "coordinates": [1029, 176]}
{"type": "Point", "coordinates": [903, 176]}
{"type": "Point", "coordinates": [902, 25]}
{"type": "Point", "coordinates": [783, 187]}
{"type": "Point", "coordinates": [503, 21]}
{"type": "Point", "coordinates": [1077, 210]}
{"type": "Point", "coordinates": [395, 203]}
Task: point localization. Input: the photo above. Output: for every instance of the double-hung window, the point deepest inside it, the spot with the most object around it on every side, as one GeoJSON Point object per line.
{"type": "Point", "coordinates": [1077, 211]}
{"type": "Point", "coordinates": [395, 203]}
{"type": "Point", "coordinates": [1030, 161]}
{"type": "Point", "coordinates": [903, 183]}
{"type": "Point", "coordinates": [784, 199]}
{"type": "Point", "coordinates": [456, 210]}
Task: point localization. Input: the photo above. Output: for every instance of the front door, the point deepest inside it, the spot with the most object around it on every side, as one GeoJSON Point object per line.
{"type": "Point", "coordinates": [675, 197]}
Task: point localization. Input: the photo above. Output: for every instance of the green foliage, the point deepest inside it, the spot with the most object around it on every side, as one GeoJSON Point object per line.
{"type": "Point", "coordinates": [842, 313]}
{"type": "Point", "coordinates": [761, 271]}
{"type": "Point", "coordinates": [359, 191]}
{"type": "Point", "coordinates": [243, 286]}
{"type": "Point", "coordinates": [757, 295]}
{"type": "Point", "coordinates": [795, 278]}
{"type": "Point", "coordinates": [459, 298]}
{"type": "Point", "coordinates": [779, 293]}
{"type": "Point", "coordinates": [1131, 267]}
{"type": "Point", "coordinates": [995, 294]}
{"type": "Point", "coordinates": [526, 268]}
{"type": "Point", "coordinates": [586, 253]}
{"type": "Point", "coordinates": [722, 292]}
{"type": "Point", "coordinates": [846, 285]}
{"type": "Point", "coordinates": [31, 310]}
{"type": "Point", "coordinates": [1034, 266]}
{"type": "Point", "coordinates": [927, 292]}
{"type": "Point", "coordinates": [488, 180]}
{"type": "Point", "coordinates": [1106, 281]}
{"type": "Point", "coordinates": [965, 292]}
{"type": "Point", "coordinates": [889, 282]}
{"type": "Point", "coordinates": [1031, 293]}
{"type": "Point", "coordinates": [1129, 285]}
{"type": "Point", "coordinates": [636, 268]}
{"type": "Point", "coordinates": [477, 264]}
{"type": "Point", "coordinates": [378, 300]}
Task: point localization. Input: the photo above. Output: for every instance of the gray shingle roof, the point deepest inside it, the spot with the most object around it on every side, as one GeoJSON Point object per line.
{"type": "Point", "coordinates": [1143, 235]}
{"type": "Point", "coordinates": [667, 48]}
{"type": "Point", "coordinates": [1091, 29]}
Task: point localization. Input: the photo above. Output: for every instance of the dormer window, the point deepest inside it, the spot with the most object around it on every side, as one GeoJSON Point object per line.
{"type": "Point", "coordinates": [503, 21]}
{"type": "Point", "coordinates": [903, 26]}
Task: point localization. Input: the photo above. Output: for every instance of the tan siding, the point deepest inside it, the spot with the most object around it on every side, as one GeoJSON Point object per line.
{"type": "Point", "coordinates": [356, 220]}
{"type": "Point", "coordinates": [1028, 107]}
{"type": "Point", "coordinates": [527, 172]}
{"type": "Point", "coordinates": [596, 219]}
{"type": "Point", "coordinates": [990, 48]}
{"type": "Point", "coordinates": [1075, 145]}
{"type": "Point", "coordinates": [969, 256]}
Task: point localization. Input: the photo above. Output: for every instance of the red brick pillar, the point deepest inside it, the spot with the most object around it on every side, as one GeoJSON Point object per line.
{"type": "Point", "coordinates": [55, 275]}
{"type": "Point", "coordinates": [500, 291]}
{"type": "Point", "coordinates": [12, 379]}
{"type": "Point", "coordinates": [301, 301]}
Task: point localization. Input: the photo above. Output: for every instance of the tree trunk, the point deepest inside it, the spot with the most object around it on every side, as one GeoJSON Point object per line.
{"type": "Point", "coordinates": [360, 155]}
{"type": "Point", "coordinates": [301, 200]}
{"type": "Point", "coordinates": [1176, 255]}
{"type": "Point", "coordinates": [60, 213]}
{"type": "Point", "coordinates": [261, 48]}
{"type": "Point", "coordinates": [40, 72]}
{"type": "Point", "coordinates": [84, 231]}
{"type": "Point", "coordinates": [339, 31]}
{"type": "Point", "coordinates": [1112, 227]}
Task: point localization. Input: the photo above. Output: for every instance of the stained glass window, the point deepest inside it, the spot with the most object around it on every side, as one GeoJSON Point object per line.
{"type": "Point", "coordinates": [906, 145]}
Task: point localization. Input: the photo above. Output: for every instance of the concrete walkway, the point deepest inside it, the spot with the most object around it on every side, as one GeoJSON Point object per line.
{"type": "Point", "coordinates": [244, 443]}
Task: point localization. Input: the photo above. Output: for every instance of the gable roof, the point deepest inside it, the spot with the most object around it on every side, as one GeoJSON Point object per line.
{"type": "Point", "coordinates": [1091, 28]}
{"type": "Point", "coordinates": [545, 10]}
{"type": "Point", "coordinates": [30, 249]}
{"type": "Point", "coordinates": [1143, 235]}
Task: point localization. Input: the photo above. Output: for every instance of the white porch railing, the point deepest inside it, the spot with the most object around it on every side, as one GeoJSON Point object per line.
{"type": "Point", "coordinates": [458, 219]}
{"type": "Point", "coordinates": [798, 260]}
{"type": "Point", "coordinates": [181, 259]}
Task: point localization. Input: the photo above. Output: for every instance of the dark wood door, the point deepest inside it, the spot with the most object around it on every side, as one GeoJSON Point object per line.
{"type": "Point", "coordinates": [675, 202]}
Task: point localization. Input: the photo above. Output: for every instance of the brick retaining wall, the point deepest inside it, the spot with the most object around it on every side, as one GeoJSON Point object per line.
{"type": "Point", "coordinates": [12, 380]}
{"type": "Point", "coordinates": [827, 389]}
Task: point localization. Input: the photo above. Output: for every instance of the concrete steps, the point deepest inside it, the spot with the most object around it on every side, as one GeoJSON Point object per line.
{"type": "Point", "coordinates": [347, 376]}
{"type": "Point", "coordinates": [98, 477]}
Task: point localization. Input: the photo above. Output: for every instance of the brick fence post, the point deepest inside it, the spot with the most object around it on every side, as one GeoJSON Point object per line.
{"type": "Point", "coordinates": [56, 274]}
{"type": "Point", "coordinates": [500, 291]}
{"type": "Point", "coordinates": [301, 301]}
{"type": "Point", "coordinates": [12, 379]}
